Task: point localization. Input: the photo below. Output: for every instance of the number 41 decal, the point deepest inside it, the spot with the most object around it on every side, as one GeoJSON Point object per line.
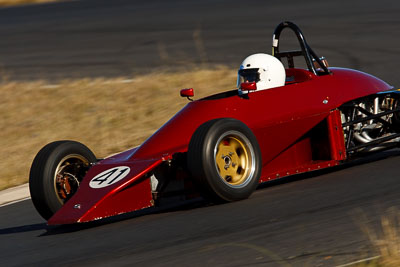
{"type": "Point", "coordinates": [109, 177]}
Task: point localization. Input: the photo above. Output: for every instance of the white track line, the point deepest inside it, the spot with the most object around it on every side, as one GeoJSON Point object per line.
{"type": "Point", "coordinates": [14, 202]}
{"type": "Point", "coordinates": [359, 261]}
{"type": "Point", "coordinates": [14, 195]}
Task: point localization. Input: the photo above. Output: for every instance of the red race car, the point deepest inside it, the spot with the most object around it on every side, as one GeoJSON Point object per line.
{"type": "Point", "coordinates": [279, 122]}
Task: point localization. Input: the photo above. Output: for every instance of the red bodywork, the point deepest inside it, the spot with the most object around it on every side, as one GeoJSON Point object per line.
{"type": "Point", "coordinates": [298, 128]}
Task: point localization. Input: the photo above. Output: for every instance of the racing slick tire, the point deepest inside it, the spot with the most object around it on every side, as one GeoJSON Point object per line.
{"type": "Point", "coordinates": [224, 160]}
{"type": "Point", "coordinates": [56, 173]}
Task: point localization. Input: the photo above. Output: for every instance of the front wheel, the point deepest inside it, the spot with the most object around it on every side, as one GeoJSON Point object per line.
{"type": "Point", "coordinates": [224, 159]}
{"type": "Point", "coordinates": [56, 173]}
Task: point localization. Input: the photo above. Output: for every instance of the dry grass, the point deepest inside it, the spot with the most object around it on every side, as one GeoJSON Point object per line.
{"type": "Point", "coordinates": [107, 115]}
{"type": "Point", "coordinates": [386, 241]}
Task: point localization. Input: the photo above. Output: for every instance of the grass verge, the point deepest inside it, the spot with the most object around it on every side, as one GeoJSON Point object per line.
{"type": "Point", "coordinates": [108, 115]}
{"type": "Point", "coordinates": [386, 240]}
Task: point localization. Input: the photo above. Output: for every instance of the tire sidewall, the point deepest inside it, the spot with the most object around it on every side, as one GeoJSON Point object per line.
{"type": "Point", "coordinates": [211, 180]}
{"type": "Point", "coordinates": [42, 177]}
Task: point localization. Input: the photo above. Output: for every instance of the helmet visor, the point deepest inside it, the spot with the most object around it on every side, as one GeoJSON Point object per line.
{"type": "Point", "coordinates": [248, 76]}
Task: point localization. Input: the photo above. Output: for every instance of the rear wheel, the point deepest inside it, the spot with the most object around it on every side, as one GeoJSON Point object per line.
{"type": "Point", "coordinates": [56, 173]}
{"type": "Point", "coordinates": [225, 160]}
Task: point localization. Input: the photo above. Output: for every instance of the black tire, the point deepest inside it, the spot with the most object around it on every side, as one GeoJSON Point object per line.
{"type": "Point", "coordinates": [55, 174]}
{"type": "Point", "coordinates": [224, 160]}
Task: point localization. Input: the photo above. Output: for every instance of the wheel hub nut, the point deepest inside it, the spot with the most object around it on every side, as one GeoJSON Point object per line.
{"type": "Point", "coordinates": [228, 160]}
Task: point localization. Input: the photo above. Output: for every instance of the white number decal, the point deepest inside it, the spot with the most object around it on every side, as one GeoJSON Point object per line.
{"type": "Point", "coordinates": [109, 177]}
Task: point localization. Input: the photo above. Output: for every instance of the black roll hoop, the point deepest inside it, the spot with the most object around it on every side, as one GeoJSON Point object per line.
{"type": "Point", "coordinates": [309, 55]}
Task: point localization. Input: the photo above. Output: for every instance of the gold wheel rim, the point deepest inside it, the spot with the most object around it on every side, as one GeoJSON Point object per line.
{"type": "Point", "coordinates": [234, 159]}
{"type": "Point", "coordinates": [62, 170]}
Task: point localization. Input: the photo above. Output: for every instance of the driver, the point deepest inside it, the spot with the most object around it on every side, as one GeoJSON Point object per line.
{"type": "Point", "coordinates": [263, 69]}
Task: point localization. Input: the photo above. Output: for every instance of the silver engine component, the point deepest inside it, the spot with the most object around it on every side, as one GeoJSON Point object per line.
{"type": "Point", "coordinates": [364, 131]}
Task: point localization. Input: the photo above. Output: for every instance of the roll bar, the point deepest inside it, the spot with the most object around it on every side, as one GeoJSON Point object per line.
{"type": "Point", "coordinates": [306, 51]}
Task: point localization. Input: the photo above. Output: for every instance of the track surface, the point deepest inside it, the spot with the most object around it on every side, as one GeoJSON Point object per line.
{"type": "Point", "coordinates": [121, 37]}
{"type": "Point", "coordinates": [308, 222]}
{"type": "Point", "coordinates": [315, 220]}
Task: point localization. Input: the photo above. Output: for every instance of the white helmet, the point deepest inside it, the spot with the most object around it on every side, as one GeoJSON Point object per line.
{"type": "Point", "coordinates": [267, 71]}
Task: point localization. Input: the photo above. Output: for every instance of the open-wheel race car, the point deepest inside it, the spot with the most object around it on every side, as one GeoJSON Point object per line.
{"type": "Point", "coordinates": [279, 122]}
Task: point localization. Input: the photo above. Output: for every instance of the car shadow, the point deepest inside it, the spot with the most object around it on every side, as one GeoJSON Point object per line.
{"type": "Point", "coordinates": [69, 228]}
{"type": "Point", "coordinates": [23, 228]}
{"type": "Point", "coordinates": [170, 207]}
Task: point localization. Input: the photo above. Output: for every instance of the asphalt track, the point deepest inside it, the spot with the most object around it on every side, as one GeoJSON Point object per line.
{"type": "Point", "coordinates": [313, 220]}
